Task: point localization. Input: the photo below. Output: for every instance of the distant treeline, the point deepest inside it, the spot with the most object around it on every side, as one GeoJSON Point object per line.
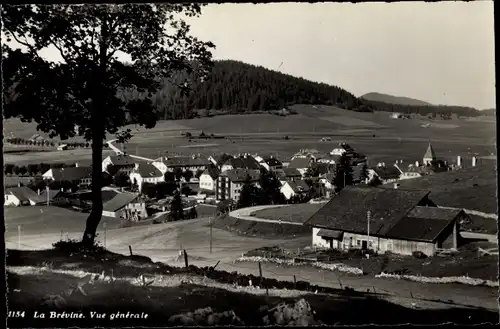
{"type": "Point", "coordinates": [33, 169]}
{"type": "Point", "coordinates": [236, 87]}
{"type": "Point", "coordinates": [48, 143]}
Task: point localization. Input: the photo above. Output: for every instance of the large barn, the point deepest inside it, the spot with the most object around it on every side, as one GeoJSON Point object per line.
{"type": "Point", "coordinates": [394, 220]}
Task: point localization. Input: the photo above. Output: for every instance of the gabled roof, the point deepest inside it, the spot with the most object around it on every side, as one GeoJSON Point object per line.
{"type": "Point", "coordinates": [291, 172]}
{"type": "Point", "coordinates": [119, 201]}
{"type": "Point", "coordinates": [348, 210]}
{"type": "Point", "coordinates": [429, 154]}
{"type": "Point", "coordinates": [52, 194]}
{"type": "Point", "coordinates": [240, 175]}
{"type": "Point", "coordinates": [146, 170]}
{"type": "Point", "coordinates": [123, 160]}
{"type": "Point", "coordinates": [212, 171]}
{"type": "Point", "coordinates": [299, 186]}
{"type": "Point", "coordinates": [389, 172]}
{"type": "Point", "coordinates": [248, 162]}
{"type": "Point", "coordinates": [273, 162]}
{"type": "Point", "coordinates": [330, 157]}
{"type": "Point", "coordinates": [71, 173]}
{"type": "Point", "coordinates": [222, 158]}
{"type": "Point", "coordinates": [24, 193]}
{"type": "Point", "coordinates": [300, 163]}
{"type": "Point", "coordinates": [424, 224]}
{"type": "Point", "coordinates": [185, 161]}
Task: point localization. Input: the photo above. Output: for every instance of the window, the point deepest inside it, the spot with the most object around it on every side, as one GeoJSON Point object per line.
{"type": "Point", "coordinates": [358, 243]}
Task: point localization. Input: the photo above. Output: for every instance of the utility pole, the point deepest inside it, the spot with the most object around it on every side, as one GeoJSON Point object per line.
{"type": "Point", "coordinates": [48, 199]}
{"type": "Point", "coordinates": [368, 217]}
{"type": "Point", "coordinates": [211, 222]}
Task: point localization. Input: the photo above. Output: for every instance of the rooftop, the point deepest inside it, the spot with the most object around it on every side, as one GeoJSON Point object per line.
{"type": "Point", "coordinates": [119, 201]}
{"type": "Point", "coordinates": [240, 175]}
{"type": "Point", "coordinates": [24, 193]}
{"type": "Point", "coordinates": [71, 173]}
{"type": "Point", "coordinates": [148, 170]}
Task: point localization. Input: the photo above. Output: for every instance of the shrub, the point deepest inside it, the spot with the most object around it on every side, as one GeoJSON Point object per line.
{"type": "Point", "coordinates": [74, 246]}
{"type": "Point", "coordinates": [419, 254]}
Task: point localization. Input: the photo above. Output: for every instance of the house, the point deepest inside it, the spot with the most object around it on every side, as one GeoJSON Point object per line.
{"type": "Point", "coordinates": [126, 206]}
{"type": "Point", "coordinates": [287, 174]}
{"type": "Point", "coordinates": [22, 196]}
{"type": "Point", "coordinates": [382, 220]}
{"type": "Point", "coordinates": [53, 197]}
{"type": "Point", "coordinates": [183, 163]}
{"type": "Point", "coordinates": [301, 164]}
{"type": "Point", "coordinates": [230, 182]}
{"type": "Point", "coordinates": [209, 178]}
{"type": "Point", "coordinates": [295, 188]}
{"type": "Point", "coordinates": [243, 162]}
{"type": "Point", "coordinates": [328, 180]}
{"type": "Point", "coordinates": [271, 163]}
{"type": "Point", "coordinates": [342, 148]}
{"type": "Point", "coordinates": [146, 173]}
{"type": "Point", "coordinates": [82, 176]}
{"type": "Point", "coordinates": [329, 159]}
{"type": "Point", "coordinates": [307, 153]}
{"type": "Point", "coordinates": [219, 160]}
{"type": "Point", "coordinates": [122, 163]}
{"type": "Point", "coordinates": [386, 174]}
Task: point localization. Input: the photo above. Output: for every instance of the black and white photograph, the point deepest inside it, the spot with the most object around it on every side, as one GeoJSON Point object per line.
{"type": "Point", "coordinates": [249, 164]}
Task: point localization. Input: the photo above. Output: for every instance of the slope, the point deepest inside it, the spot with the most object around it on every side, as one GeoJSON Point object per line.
{"type": "Point", "coordinates": [394, 99]}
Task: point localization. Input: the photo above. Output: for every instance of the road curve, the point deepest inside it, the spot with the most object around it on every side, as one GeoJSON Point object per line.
{"type": "Point", "coordinates": [245, 214]}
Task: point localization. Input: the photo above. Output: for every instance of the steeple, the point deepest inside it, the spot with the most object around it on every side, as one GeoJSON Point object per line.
{"type": "Point", "coordinates": [429, 155]}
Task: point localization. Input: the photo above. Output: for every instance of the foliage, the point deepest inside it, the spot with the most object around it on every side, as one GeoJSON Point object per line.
{"type": "Point", "coordinates": [375, 181]}
{"type": "Point", "coordinates": [178, 173]}
{"type": "Point", "coordinates": [198, 173]}
{"type": "Point", "coordinates": [248, 195]}
{"type": "Point", "coordinates": [121, 179]}
{"type": "Point", "coordinates": [176, 210]}
{"type": "Point", "coordinates": [192, 213]}
{"type": "Point", "coordinates": [343, 173]}
{"type": "Point", "coordinates": [89, 92]}
{"type": "Point", "coordinates": [165, 188]}
{"type": "Point", "coordinates": [188, 174]}
{"type": "Point", "coordinates": [149, 190]}
{"type": "Point", "coordinates": [72, 246]}
{"type": "Point", "coordinates": [186, 190]}
{"type": "Point", "coordinates": [37, 184]}
{"type": "Point", "coordinates": [169, 176]}
{"type": "Point", "coordinates": [433, 110]}
{"type": "Point", "coordinates": [269, 192]}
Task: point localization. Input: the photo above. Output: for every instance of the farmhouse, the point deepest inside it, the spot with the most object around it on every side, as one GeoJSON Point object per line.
{"type": "Point", "coordinates": [21, 196]}
{"type": "Point", "coordinates": [127, 206]}
{"type": "Point", "coordinates": [329, 159]}
{"type": "Point", "coordinates": [296, 188]}
{"type": "Point", "coordinates": [62, 147]}
{"type": "Point", "coordinates": [386, 174]}
{"type": "Point", "coordinates": [230, 182]}
{"type": "Point", "coordinates": [307, 153]}
{"type": "Point", "coordinates": [146, 173]}
{"type": "Point", "coordinates": [327, 180]}
{"type": "Point", "coordinates": [383, 220]}
{"type": "Point", "coordinates": [82, 176]}
{"type": "Point", "coordinates": [122, 163]}
{"type": "Point", "coordinates": [243, 162]}
{"type": "Point", "coordinates": [184, 163]}
{"type": "Point", "coordinates": [208, 178]}
{"type": "Point", "coordinates": [301, 164]}
{"type": "Point", "coordinates": [55, 197]}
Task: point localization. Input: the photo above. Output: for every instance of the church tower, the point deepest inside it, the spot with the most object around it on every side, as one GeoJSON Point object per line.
{"type": "Point", "coordinates": [429, 155]}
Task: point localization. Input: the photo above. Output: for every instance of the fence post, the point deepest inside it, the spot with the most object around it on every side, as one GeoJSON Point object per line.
{"type": "Point", "coordinates": [340, 283]}
{"type": "Point", "coordinates": [186, 258]}
{"type": "Point", "coordinates": [19, 237]}
{"type": "Point", "coordinates": [130, 249]}
{"type": "Point", "coordinates": [294, 282]}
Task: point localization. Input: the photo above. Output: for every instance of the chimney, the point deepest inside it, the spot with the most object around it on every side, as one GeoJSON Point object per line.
{"type": "Point", "coordinates": [459, 161]}
{"type": "Point", "coordinates": [474, 161]}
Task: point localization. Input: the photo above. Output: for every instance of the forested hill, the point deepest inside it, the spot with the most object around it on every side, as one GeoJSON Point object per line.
{"type": "Point", "coordinates": [394, 99]}
{"type": "Point", "coordinates": [238, 87]}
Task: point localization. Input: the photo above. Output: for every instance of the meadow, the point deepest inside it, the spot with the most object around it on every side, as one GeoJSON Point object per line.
{"type": "Point", "coordinates": [382, 139]}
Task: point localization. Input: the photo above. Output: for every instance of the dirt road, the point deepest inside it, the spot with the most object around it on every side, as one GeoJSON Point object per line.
{"type": "Point", "coordinates": [162, 242]}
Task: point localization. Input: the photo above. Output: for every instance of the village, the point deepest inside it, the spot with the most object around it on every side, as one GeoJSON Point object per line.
{"type": "Point", "coordinates": [141, 189]}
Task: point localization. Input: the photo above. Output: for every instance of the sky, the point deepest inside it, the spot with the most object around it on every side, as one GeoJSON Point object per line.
{"type": "Point", "coordinates": [442, 53]}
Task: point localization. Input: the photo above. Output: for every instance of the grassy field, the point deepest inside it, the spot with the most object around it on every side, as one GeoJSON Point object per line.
{"type": "Point", "coordinates": [471, 188]}
{"type": "Point", "coordinates": [299, 213]}
{"type": "Point", "coordinates": [31, 282]}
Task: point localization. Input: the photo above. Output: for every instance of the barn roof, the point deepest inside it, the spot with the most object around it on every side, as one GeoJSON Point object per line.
{"type": "Point", "coordinates": [119, 201]}
{"type": "Point", "coordinates": [240, 175]}
{"type": "Point", "coordinates": [299, 186]}
{"type": "Point", "coordinates": [299, 163]}
{"type": "Point", "coordinates": [123, 160]}
{"type": "Point", "coordinates": [147, 170]}
{"type": "Point", "coordinates": [347, 211]}
{"type": "Point", "coordinates": [247, 162]}
{"type": "Point", "coordinates": [24, 193]}
{"type": "Point", "coordinates": [212, 171]}
{"type": "Point", "coordinates": [71, 173]}
{"type": "Point", "coordinates": [424, 224]}
{"type": "Point", "coordinates": [390, 172]}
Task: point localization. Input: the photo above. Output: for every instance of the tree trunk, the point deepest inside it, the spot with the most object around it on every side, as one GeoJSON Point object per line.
{"type": "Point", "coordinates": [97, 182]}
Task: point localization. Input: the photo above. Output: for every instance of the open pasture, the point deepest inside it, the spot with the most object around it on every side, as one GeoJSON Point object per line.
{"type": "Point", "coordinates": [82, 156]}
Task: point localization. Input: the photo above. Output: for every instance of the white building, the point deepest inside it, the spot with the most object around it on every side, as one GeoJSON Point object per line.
{"type": "Point", "coordinates": [209, 178]}
{"type": "Point", "coordinates": [126, 206]}
{"type": "Point", "coordinates": [20, 196]}
{"type": "Point", "coordinates": [295, 188]}
{"type": "Point", "coordinates": [341, 149]}
{"type": "Point", "coordinates": [146, 173]}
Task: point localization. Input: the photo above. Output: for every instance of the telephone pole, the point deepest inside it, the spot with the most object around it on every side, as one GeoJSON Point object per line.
{"type": "Point", "coordinates": [211, 222]}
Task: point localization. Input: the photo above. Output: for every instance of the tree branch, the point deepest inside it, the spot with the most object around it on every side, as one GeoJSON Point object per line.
{"type": "Point", "coordinates": [27, 45]}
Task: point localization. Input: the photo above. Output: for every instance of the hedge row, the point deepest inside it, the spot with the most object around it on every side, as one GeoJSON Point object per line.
{"type": "Point", "coordinates": [33, 169]}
